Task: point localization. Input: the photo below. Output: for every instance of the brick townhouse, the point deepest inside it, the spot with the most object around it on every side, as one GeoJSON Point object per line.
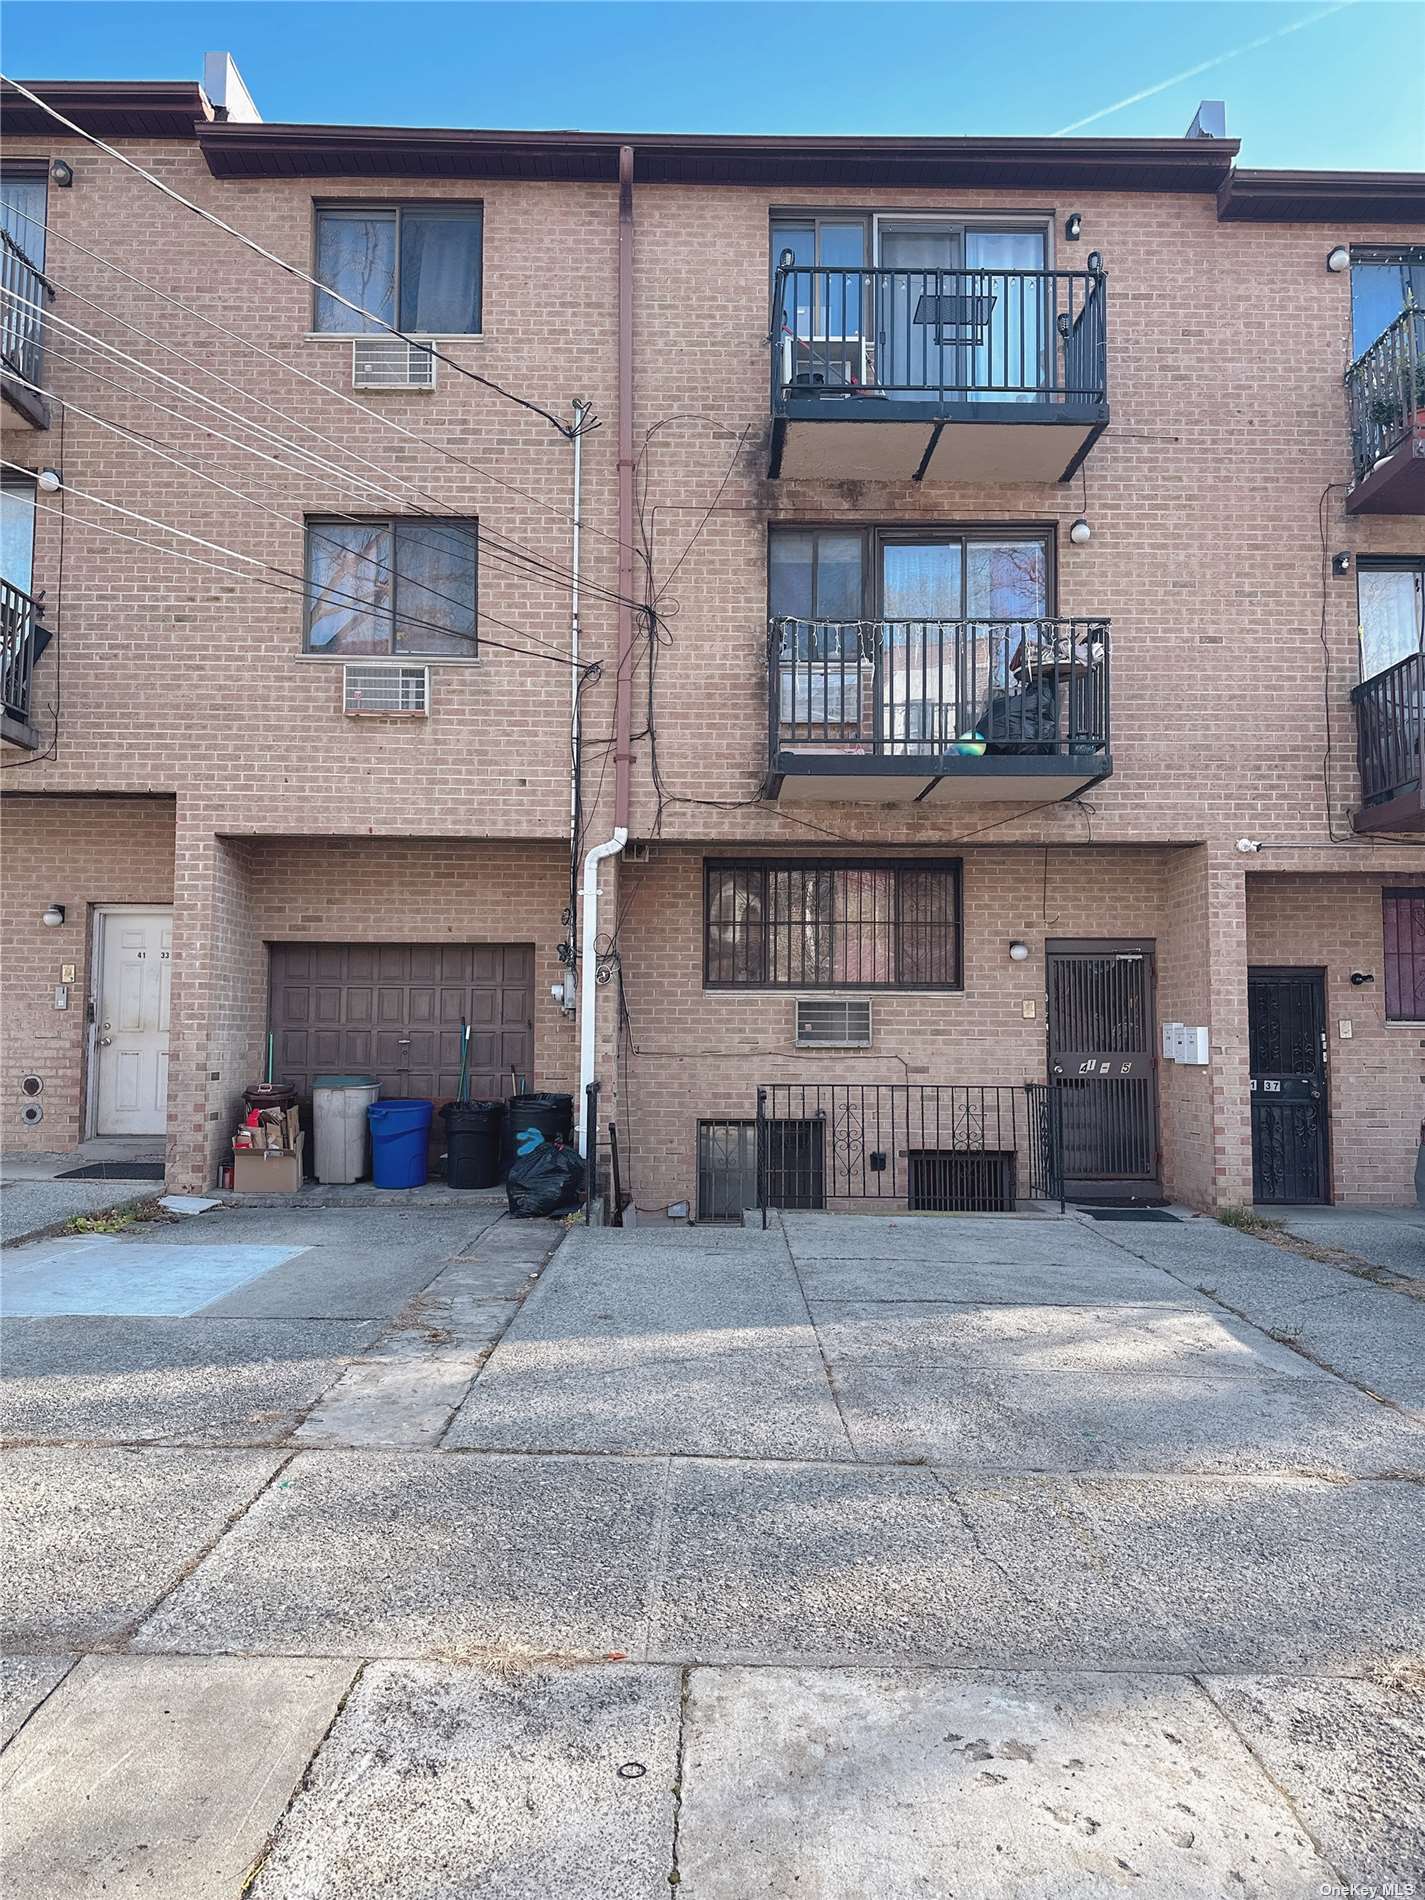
{"type": "Point", "coordinates": [989, 656]}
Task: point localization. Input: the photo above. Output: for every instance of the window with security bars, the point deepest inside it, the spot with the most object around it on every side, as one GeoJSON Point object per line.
{"type": "Point", "coordinates": [1404, 918]}
{"type": "Point", "coordinates": [832, 925]}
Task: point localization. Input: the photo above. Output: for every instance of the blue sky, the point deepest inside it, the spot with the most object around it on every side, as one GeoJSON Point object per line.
{"type": "Point", "coordinates": [1339, 83]}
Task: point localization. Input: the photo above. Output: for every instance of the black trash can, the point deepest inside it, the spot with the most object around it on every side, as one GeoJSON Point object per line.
{"type": "Point", "coordinates": [534, 1118]}
{"type": "Point", "coordinates": [472, 1143]}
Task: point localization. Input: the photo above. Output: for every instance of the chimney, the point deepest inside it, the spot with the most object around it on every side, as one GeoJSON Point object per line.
{"type": "Point", "coordinates": [227, 95]}
{"type": "Point", "coordinates": [1210, 121]}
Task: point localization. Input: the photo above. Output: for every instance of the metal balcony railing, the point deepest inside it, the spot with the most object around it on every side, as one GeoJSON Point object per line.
{"type": "Point", "coordinates": [25, 288]}
{"type": "Point", "coordinates": [22, 640]}
{"type": "Point", "coordinates": [1385, 388]}
{"type": "Point", "coordinates": [1390, 730]}
{"type": "Point", "coordinates": [994, 336]}
{"type": "Point", "coordinates": [948, 688]}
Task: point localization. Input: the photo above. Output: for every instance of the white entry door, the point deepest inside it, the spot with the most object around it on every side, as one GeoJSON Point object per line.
{"type": "Point", "coordinates": [131, 1024]}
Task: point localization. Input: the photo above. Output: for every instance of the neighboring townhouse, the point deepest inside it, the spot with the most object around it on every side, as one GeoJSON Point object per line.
{"type": "Point", "coordinates": [976, 731]}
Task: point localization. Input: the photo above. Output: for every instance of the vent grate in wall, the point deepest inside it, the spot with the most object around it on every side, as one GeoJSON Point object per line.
{"type": "Point", "coordinates": [386, 692]}
{"type": "Point", "coordinates": [385, 362]}
{"type": "Point", "coordinates": [833, 1022]}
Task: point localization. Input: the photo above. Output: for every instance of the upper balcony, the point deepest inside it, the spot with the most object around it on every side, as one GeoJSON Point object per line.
{"type": "Point", "coordinates": [1385, 394]}
{"type": "Point", "coordinates": [24, 289]}
{"type": "Point", "coordinates": [936, 375]}
{"type": "Point", "coordinates": [23, 639]}
{"type": "Point", "coordinates": [1390, 747]}
{"type": "Point", "coordinates": [897, 711]}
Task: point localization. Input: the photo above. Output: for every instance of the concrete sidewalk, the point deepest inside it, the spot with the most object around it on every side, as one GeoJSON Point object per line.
{"type": "Point", "coordinates": [906, 1557]}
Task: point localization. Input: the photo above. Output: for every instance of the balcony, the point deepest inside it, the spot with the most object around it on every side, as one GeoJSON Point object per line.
{"type": "Point", "coordinates": [1390, 747]}
{"type": "Point", "coordinates": [936, 375]}
{"type": "Point", "coordinates": [1385, 394]}
{"type": "Point", "coordinates": [23, 291]}
{"type": "Point", "coordinates": [901, 711]}
{"type": "Point", "coordinates": [22, 640]}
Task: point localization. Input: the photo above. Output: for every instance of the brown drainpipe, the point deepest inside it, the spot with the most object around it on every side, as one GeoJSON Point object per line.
{"type": "Point", "coordinates": [623, 678]}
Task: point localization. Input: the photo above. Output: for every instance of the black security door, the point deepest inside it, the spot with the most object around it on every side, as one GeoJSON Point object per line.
{"type": "Point", "coordinates": [1286, 1036]}
{"type": "Point", "coordinates": [1101, 1056]}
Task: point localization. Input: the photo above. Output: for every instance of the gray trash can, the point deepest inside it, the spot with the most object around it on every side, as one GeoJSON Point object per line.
{"type": "Point", "coordinates": [343, 1138]}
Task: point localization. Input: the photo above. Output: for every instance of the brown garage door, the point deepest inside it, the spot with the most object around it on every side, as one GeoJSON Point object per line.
{"type": "Point", "coordinates": [393, 1010]}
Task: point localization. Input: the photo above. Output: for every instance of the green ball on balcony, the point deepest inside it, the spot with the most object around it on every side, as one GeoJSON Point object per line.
{"type": "Point", "coordinates": [969, 745]}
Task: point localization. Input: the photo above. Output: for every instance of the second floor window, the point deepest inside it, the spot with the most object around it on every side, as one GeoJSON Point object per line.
{"type": "Point", "coordinates": [1391, 597]}
{"type": "Point", "coordinates": [832, 925]}
{"type": "Point", "coordinates": [391, 587]}
{"type": "Point", "coordinates": [415, 267]}
{"type": "Point", "coordinates": [17, 533]}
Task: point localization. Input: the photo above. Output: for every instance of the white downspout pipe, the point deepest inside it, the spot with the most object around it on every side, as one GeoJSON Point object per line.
{"type": "Point", "coordinates": [576, 677]}
{"type": "Point", "coordinates": [588, 967]}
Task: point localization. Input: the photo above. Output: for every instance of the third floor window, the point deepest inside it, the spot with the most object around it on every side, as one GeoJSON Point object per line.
{"type": "Point", "coordinates": [415, 267]}
{"type": "Point", "coordinates": [391, 587]}
{"type": "Point", "coordinates": [1383, 282]}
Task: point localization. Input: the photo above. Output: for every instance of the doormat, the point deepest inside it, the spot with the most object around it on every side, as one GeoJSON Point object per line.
{"type": "Point", "coordinates": [115, 1171]}
{"type": "Point", "coordinates": [1130, 1213]}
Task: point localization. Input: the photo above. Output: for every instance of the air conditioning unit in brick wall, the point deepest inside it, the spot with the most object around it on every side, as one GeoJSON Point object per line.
{"type": "Point", "coordinates": [386, 362]}
{"type": "Point", "coordinates": [385, 692]}
{"type": "Point", "coordinates": [833, 1022]}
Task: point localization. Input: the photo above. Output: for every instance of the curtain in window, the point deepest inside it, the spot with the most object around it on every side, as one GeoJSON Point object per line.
{"type": "Point", "coordinates": [1391, 601]}
{"type": "Point", "coordinates": [435, 582]}
{"type": "Point", "coordinates": [22, 212]}
{"type": "Point", "coordinates": [356, 255]}
{"type": "Point", "coordinates": [440, 272]}
{"type": "Point", "coordinates": [349, 587]}
{"type": "Point", "coordinates": [17, 535]}
{"type": "Point", "coordinates": [1006, 362]}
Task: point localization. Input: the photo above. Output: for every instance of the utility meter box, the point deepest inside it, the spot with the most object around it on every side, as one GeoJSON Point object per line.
{"type": "Point", "coordinates": [1194, 1049]}
{"type": "Point", "coordinates": [1172, 1034]}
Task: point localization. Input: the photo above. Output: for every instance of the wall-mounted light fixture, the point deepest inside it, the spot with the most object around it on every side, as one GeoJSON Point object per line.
{"type": "Point", "coordinates": [1073, 225]}
{"type": "Point", "coordinates": [1080, 533]}
{"type": "Point", "coordinates": [49, 481]}
{"type": "Point", "coordinates": [53, 917]}
{"type": "Point", "coordinates": [1095, 262]}
{"type": "Point", "coordinates": [61, 174]}
{"type": "Point", "coordinates": [1338, 259]}
{"type": "Point", "coordinates": [1359, 977]}
{"type": "Point", "coordinates": [1018, 952]}
{"type": "Point", "coordinates": [1340, 565]}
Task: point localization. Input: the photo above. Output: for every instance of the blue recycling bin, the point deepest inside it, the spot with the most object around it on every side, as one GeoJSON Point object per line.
{"type": "Point", "coordinates": [400, 1142]}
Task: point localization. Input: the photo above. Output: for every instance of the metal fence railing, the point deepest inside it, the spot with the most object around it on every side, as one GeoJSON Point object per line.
{"type": "Point", "coordinates": [24, 289]}
{"type": "Point", "coordinates": [941, 335]}
{"type": "Point", "coordinates": [1390, 730]}
{"type": "Point", "coordinates": [906, 688]}
{"type": "Point", "coordinates": [22, 639]}
{"type": "Point", "coordinates": [933, 1147]}
{"type": "Point", "coordinates": [1385, 389]}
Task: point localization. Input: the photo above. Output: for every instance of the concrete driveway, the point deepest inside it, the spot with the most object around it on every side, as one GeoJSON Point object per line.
{"type": "Point", "coordinates": [866, 1556]}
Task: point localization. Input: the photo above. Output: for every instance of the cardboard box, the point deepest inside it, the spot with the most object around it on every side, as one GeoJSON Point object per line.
{"type": "Point", "coordinates": [256, 1172]}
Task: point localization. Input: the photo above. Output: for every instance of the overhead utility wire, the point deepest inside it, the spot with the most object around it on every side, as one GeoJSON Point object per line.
{"type": "Point", "coordinates": [293, 270]}
{"type": "Point", "coordinates": [514, 553]}
{"type": "Point", "coordinates": [298, 521]}
{"type": "Point", "coordinates": [302, 590]}
{"type": "Point", "coordinates": [271, 356]}
{"type": "Point", "coordinates": [294, 422]}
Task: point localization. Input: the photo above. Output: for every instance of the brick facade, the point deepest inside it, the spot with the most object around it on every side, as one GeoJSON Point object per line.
{"type": "Point", "coordinates": [265, 815]}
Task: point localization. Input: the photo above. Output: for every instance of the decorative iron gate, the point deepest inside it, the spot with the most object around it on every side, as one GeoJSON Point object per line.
{"type": "Point", "coordinates": [1286, 1037]}
{"type": "Point", "coordinates": [937, 1147]}
{"type": "Point", "coordinates": [1102, 1055]}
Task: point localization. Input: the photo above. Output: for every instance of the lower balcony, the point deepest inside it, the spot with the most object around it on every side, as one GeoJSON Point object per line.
{"type": "Point", "coordinates": [1390, 746]}
{"type": "Point", "coordinates": [22, 641]}
{"type": "Point", "coordinates": [1385, 392]}
{"type": "Point", "coordinates": [900, 711]}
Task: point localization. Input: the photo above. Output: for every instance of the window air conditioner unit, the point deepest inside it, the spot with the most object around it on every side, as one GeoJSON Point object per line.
{"type": "Point", "coordinates": [385, 362]}
{"type": "Point", "coordinates": [386, 692]}
{"type": "Point", "coordinates": [833, 1022]}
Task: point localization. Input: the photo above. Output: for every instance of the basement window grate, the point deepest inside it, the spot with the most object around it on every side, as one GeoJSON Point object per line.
{"type": "Point", "coordinates": [961, 1181]}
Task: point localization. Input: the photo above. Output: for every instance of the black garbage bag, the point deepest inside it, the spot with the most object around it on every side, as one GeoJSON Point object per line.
{"type": "Point", "coordinates": [549, 1181]}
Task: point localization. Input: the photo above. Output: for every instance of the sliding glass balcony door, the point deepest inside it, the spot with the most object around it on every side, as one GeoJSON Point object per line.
{"type": "Point", "coordinates": [955, 317]}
